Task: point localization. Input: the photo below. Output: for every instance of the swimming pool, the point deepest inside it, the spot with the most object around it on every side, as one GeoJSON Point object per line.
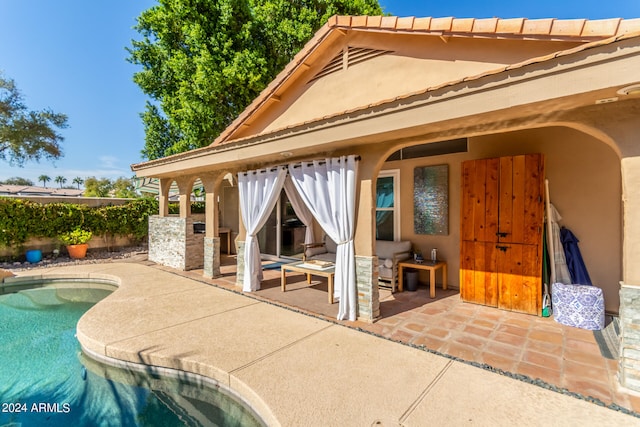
{"type": "Point", "coordinates": [46, 380]}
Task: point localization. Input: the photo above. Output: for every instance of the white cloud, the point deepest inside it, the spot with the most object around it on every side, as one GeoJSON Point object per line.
{"type": "Point", "coordinates": [109, 161]}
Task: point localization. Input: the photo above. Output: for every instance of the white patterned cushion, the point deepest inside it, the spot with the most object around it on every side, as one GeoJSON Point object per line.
{"type": "Point", "coordinates": [581, 306]}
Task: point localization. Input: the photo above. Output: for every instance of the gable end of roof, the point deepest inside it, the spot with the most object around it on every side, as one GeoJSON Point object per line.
{"type": "Point", "coordinates": [576, 30]}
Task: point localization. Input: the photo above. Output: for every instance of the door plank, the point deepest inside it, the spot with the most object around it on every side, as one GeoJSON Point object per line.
{"type": "Point", "coordinates": [467, 204]}
{"type": "Point", "coordinates": [491, 274]}
{"type": "Point", "coordinates": [467, 265]}
{"type": "Point", "coordinates": [531, 301]}
{"type": "Point", "coordinates": [505, 220]}
{"type": "Point", "coordinates": [480, 282]}
{"type": "Point", "coordinates": [517, 209]}
{"type": "Point", "coordinates": [510, 282]}
{"type": "Point", "coordinates": [534, 199]}
{"type": "Point", "coordinates": [492, 196]}
{"type": "Point", "coordinates": [479, 208]}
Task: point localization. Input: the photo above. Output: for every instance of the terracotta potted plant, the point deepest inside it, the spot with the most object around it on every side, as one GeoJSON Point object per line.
{"type": "Point", "coordinates": [76, 242]}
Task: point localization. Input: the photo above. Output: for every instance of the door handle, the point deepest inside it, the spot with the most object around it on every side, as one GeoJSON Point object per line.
{"type": "Point", "coordinates": [502, 248]}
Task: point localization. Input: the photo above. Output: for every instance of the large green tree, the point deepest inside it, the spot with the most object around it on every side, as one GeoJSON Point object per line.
{"type": "Point", "coordinates": [61, 180]}
{"type": "Point", "coordinates": [94, 187]}
{"type": "Point", "coordinates": [16, 180]}
{"type": "Point", "coordinates": [44, 179]}
{"type": "Point", "coordinates": [204, 61]}
{"type": "Point", "coordinates": [124, 188]}
{"type": "Point", "coordinates": [25, 134]}
{"type": "Point", "coordinates": [78, 181]}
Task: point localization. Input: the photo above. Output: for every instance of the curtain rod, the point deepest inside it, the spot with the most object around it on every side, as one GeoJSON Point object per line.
{"type": "Point", "coordinates": [322, 162]}
{"type": "Point", "coordinates": [295, 165]}
{"type": "Point", "coordinates": [271, 169]}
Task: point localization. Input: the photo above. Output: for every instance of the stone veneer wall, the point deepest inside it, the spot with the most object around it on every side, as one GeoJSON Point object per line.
{"type": "Point", "coordinates": [211, 257]}
{"type": "Point", "coordinates": [173, 243]}
{"type": "Point", "coordinates": [629, 359]}
{"type": "Point", "coordinates": [240, 264]}
{"type": "Point", "coordinates": [367, 287]}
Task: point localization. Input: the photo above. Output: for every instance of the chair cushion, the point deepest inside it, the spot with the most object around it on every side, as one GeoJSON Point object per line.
{"type": "Point", "coordinates": [385, 273]}
{"type": "Point", "coordinates": [581, 306]}
{"type": "Point", "coordinates": [331, 245]}
{"type": "Point", "coordinates": [315, 251]}
{"type": "Point", "coordinates": [385, 248]}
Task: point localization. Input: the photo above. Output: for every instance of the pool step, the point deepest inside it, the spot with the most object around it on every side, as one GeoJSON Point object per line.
{"type": "Point", "coordinates": [32, 299]}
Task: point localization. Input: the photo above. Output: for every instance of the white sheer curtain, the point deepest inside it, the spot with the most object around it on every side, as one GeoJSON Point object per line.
{"type": "Point", "coordinates": [301, 210]}
{"type": "Point", "coordinates": [328, 188]}
{"type": "Point", "coordinates": [259, 191]}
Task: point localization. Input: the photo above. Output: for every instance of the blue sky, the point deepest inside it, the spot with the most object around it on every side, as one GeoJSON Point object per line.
{"type": "Point", "coordinates": [69, 55]}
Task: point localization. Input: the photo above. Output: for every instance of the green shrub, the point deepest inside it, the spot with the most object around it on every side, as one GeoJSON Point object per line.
{"type": "Point", "coordinates": [22, 219]}
{"type": "Point", "coordinates": [196, 208]}
{"type": "Point", "coordinates": [75, 237]}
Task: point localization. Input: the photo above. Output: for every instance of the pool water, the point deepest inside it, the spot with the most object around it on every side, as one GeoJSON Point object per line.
{"type": "Point", "coordinates": [46, 380]}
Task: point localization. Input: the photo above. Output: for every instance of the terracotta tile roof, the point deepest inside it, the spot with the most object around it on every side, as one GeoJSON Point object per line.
{"type": "Point", "coordinates": [592, 33]}
{"type": "Point", "coordinates": [550, 28]}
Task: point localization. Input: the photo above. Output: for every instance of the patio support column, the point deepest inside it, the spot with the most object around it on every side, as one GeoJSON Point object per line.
{"type": "Point", "coordinates": [366, 261]}
{"type": "Point", "coordinates": [163, 196]}
{"type": "Point", "coordinates": [212, 187]}
{"type": "Point", "coordinates": [629, 360]}
{"type": "Point", "coordinates": [185, 186]}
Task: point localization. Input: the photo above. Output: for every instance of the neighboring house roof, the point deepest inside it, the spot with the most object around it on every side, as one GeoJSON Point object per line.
{"type": "Point", "coordinates": [22, 190]}
{"type": "Point", "coordinates": [583, 34]}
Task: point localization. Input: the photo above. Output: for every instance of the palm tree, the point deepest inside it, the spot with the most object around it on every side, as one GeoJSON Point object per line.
{"type": "Point", "coordinates": [60, 180]}
{"type": "Point", "coordinates": [44, 179]}
{"type": "Point", "coordinates": [78, 181]}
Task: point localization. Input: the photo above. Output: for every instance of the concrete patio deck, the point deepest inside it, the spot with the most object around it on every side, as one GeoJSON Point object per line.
{"type": "Point", "coordinates": [296, 369]}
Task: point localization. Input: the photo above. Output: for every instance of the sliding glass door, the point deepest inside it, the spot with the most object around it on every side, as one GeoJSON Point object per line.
{"type": "Point", "coordinates": [283, 234]}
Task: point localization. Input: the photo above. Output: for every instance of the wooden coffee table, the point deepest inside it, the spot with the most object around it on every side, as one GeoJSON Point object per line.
{"type": "Point", "coordinates": [431, 266]}
{"type": "Point", "coordinates": [302, 267]}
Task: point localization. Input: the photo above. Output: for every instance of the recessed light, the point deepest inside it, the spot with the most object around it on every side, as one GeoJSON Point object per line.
{"type": "Point", "coordinates": [286, 154]}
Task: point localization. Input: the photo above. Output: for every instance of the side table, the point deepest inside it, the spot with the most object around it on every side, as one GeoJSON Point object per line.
{"type": "Point", "coordinates": [430, 266]}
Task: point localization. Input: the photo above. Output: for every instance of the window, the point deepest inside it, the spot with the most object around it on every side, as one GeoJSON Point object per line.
{"type": "Point", "coordinates": [387, 205]}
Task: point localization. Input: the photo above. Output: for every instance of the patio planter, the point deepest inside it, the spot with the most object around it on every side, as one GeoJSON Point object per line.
{"type": "Point", "coordinates": [34, 255]}
{"type": "Point", "coordinates": [77, 251]}
{"type": "Point", "coordinates": [76, 242]}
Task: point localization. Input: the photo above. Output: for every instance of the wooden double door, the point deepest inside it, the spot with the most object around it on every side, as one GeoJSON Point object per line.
{"type": "Point", "coordinates": [502, 219]}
